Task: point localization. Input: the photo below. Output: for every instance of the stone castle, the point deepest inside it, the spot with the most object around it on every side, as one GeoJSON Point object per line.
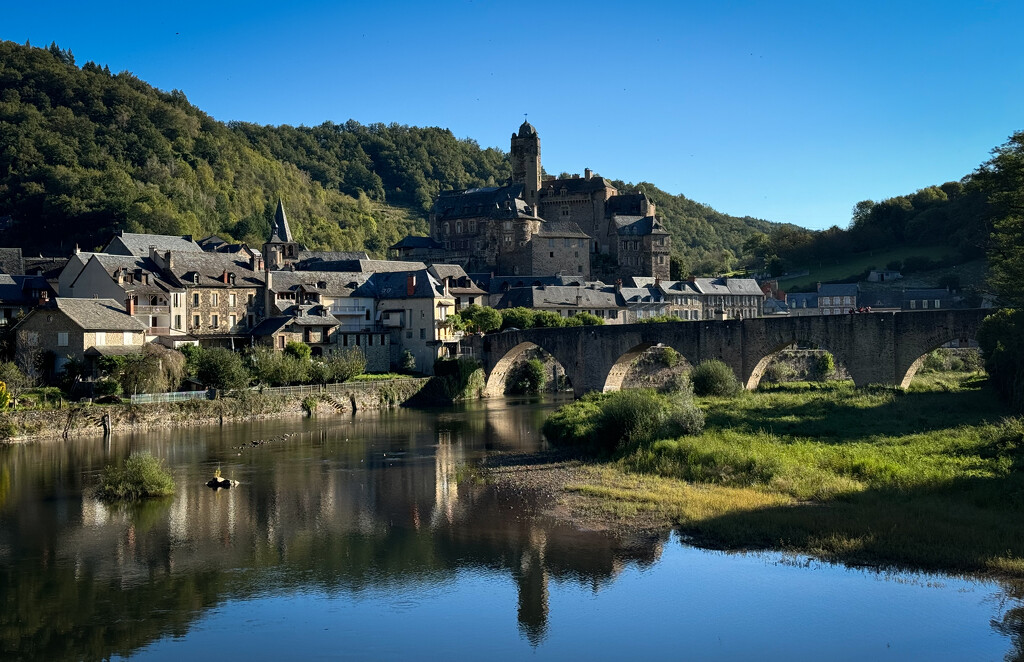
{"type": "Point", "coordinates": [578, 226]}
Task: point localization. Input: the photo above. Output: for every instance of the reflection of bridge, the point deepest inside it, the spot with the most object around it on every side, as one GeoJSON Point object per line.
{"type": "Point", "coordinates": [876, 348]}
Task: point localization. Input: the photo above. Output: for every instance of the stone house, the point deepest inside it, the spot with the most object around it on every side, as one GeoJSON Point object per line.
{"type": "Point", "coordinates": [413, 307]}
{"type": "Point", "coordinates": [642, 302]}
{"type": "Point", "coordinates": [837, 298]}
{"type": "Point", "coordinates": [139, 283]}
{"type": "Point", "coordinates": [802, 303]}
{"type": "Point", "coordinates": [729, 298]}
{"type": "Point", "coordinates": [224, 294]}
{"type": "Point", "coordinates": [927, 299]}
{"type": "Point", "coordinates": [596, 298]}
{"type": "Point", "coordinates": [20, 293]}
{"type": "Point", "coordinates": [79, 329]}
{"type": "Point", "coordinates": [310, 324]}
{"type": "Point", "coordinates": [459, 284]}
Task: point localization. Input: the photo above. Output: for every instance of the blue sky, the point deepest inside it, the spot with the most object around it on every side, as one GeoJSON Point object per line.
{"type": "Point", "coordinates": [787, 111]}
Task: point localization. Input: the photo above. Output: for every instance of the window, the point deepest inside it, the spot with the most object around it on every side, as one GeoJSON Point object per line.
{"type": "Point", "coordinates": [231, 300]}
{"type": "Point", "coordinates": [101, 337]}
{"type": "Point", "coordinates": [344, 340]}
{"type": "Point", "coordinates": [234, 321]}
{"type": "Point", "coordinates": [936, 304]}
{"type": "Point", "coordinates": [472, 226]}
{"type": "Point", "coordinates": [408, 334]}
{"type": "Point", "coordinates": [551, 254]}
{"type": "Point", "coordinates": [250, 321]}
{"type": "Point", "coordinates": [924, 303]}
{"type": "Point", "coordinates": [280, 342]}
{"type": "Point", "coordinates": [215, 299]}
{"type": "Point", "coordinates": [423, 334]}
{"type": "Point", "coordinates": [251, 297]}
{"type": "Point", "coordinates": [195, 321]}
{"type": "Point", "coordinates": [177, 299]}
{"type": "Point", "coordinates": [177, 321]}
{"type": "Point", "coordinates": [195, 299]}
{"type": "Point", "coordinates": [367, 315]}
{"type": "Point", "coordinates": [62, 339]}
{"type": "Point", "coordinates": [551, 243]}
{"type": "Point", "coordinates": [214, 321]}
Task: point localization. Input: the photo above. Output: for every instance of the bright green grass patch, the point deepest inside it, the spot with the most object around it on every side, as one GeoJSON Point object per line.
{"type": "Point", "coordinates": [140, 476]}
{"type": "Point", "coordinates": [841, 269]}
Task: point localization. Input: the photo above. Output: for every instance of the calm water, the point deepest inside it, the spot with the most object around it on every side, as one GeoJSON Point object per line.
{"type": "Point", "coordinates": [353, 538]}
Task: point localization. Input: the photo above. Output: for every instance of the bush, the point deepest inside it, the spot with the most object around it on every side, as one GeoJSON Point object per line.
{"type": "Point", "coordinates": [106, 387]}
{"type": "Point", "coordinates": [669, 357]}
{"type": "Point", "coordinates": [546, 318]}
{"type": "Point", "coordinates": [298, 350]}
{"type": "Point", "coordinates": [222, 369]}
{"type": "Point", "coordinates": [685, 418]}
{"type": "Point", "coordinates": [480, 318]}
{"type": "Point", "coordinates": [713, 377]}
{"type": "Point", "coordinates": [141, 476]}
{"type": "Point", "coordinates": [517, 318]}
{"type": "Point", "coordinates": [527, 378]}
{"type": "Point", "coordinates": [824, 364]}
{"type": "Point", "coordinates": [346, 364]}
{"type": "Point", "coordinates": [408, 365]}
{"type": "Point", "coordinates": [1001, 339]}
{"type": "Point", "coordinates": [778, 372]}
{"type": "Point", "coordinates": [588, 319]}
{"type": "Point", "coordinates": [5, 397]}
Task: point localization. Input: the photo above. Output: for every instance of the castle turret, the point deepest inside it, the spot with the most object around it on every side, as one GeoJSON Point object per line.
{"type": "Point", "coordinates": [526, 162]}
{"type": "Point", "coordinates": [281, 249]}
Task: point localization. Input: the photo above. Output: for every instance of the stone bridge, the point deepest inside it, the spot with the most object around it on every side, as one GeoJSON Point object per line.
{"type": "Point", "coordinates": [875, 348]}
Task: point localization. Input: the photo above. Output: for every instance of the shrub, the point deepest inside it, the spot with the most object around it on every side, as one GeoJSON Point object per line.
{"type": "Point", "coordinates": [408, 364]}
{"type": "Point", "coordinates": [106, 387]}
{"type": "Point", "coordinates": [346, 364]}
{"type": "Point", "coordinates": [685, 418]}
{"type": "Point", "coordinates": [546, 318]}
{"type": "Point", "coordinates": [1001, 339]}
{"type": "Point", "coordinates": [713, 377]}
{"type": "Point", "coordinates": [778, 372]}
{"type": "Point", "coordinates": [5, 397]}
{"type": "Point", "coordinates": [669, 357]}
{"type": "Point", "coordinates": [824, 364]}
{"type": "Point", "coordinates": [480, 318]}
{"type": "Point", "coordinates": [222, 369]}
{"type": "Point", "coordinates": [588, 319]}
{"type": "Point", "coordinates": [141, 475]}
{"type": "Point", "coordinates": [517, 318]}
{"type": "Point", "coordinates": [298, 350]}
{"type": "Point", "coordinates": [310, 403]}
{"type": "Point", "coordinates": [527, 378]}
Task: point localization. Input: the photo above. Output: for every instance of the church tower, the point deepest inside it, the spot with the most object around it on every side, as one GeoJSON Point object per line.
{"type": "Point", "coordinates": [526, 162]}
{"type": "Point", "coordinates": [281, 249]}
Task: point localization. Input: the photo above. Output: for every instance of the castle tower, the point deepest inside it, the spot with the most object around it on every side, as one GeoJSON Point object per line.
{"type": "Point", "coordinates": [526, 162]}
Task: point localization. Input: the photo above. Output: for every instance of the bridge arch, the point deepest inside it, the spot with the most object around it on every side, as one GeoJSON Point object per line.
{"type": "Point", "coordinates": [622, 365]}
{"type": "Point", "coordinates": [496, 378]}
{"type": "Point", "coordinates": [905, 377]}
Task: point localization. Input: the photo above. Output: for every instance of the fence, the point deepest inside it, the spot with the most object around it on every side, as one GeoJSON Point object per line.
{"type": "Point", "coordinates": [179, 396]}
{"type": "Point", "coordinates": [303, 389]}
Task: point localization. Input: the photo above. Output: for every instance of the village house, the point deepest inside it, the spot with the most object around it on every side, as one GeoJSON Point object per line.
{"type": "Point", "coordinates": [139, 245]}
{"type": "Point", "coordinates": [927, 299]}
{"type": "Point", "coordinates": [76, 329]}
{"type": "Point", "coordinates": [459, 284]}
{"type": "Point", "coordinates": [729, 298]}
{"type": "Point", "coordinates": [642, 302]}
{"type": "Point", "coordinates": [20, 293]}
{"type": "Point", "coordinates": [683, 299]}
{"type": "Point", "coordinates": [596, 298]}
{"type": "Point", "coordinates": [137, 282]}
{"type": "Point", "coordinates": [837, 298]}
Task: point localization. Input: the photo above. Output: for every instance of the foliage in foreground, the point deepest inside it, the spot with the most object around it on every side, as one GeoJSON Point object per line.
{"type": "Point", "coordinates": [714, 377]}
{"type": "Point", "coordinates": [141, 476]}
{"type": "Point", "coordinates": [613, 421]}
{"type": "Point", "coordinates": [1001, 338]}
{"type": "Point", "coordinates": [931, 477]}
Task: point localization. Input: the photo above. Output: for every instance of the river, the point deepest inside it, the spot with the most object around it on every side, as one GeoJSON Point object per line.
{"type": "Point", "coordinates": [355, 538]}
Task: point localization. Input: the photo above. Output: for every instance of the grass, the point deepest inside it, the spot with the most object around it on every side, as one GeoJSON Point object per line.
{"type": "Point", "coordinates": [141, 476]}
{"type": "Point", "coordinates": [858, 263]}
{"type": "Point", "coordinates": [930, 478]}
{"type": "Point", "coordinates": [375, 377]}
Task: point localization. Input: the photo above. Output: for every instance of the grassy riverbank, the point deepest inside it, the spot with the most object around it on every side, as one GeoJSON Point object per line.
{"type": "Point", "coordinates": [929, 478]}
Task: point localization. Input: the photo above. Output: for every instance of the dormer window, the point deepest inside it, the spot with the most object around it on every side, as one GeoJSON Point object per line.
{"type": "Point", "coordinates": [195, 278]}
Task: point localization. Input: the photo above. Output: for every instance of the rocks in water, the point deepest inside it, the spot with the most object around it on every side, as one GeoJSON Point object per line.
{"type": "Point", "coordinates": [218, 482]}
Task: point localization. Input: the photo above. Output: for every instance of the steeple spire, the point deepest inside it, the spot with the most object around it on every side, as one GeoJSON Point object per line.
{"type": "Point", "coordinates": [280, 233]}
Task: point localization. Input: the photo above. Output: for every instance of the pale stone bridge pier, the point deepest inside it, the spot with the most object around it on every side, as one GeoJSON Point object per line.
{"type": "Point", "coordinates": [875, 348]}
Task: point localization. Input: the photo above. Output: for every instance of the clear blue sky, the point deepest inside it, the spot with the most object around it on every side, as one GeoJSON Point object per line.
{"type": "Point", "coordinates": [785, 111]}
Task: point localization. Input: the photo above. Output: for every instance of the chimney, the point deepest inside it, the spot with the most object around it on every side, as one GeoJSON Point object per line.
{"type": "Point", "coordinates": [588, 173]}
{"type": "Point", "coordinates": [224, 277]}
{"type": "Point", "coordinates": [410, 285]}
{"type": "Point", "coordinates": [44, 298]}
{"type": "Point", "coordinates": [129, 304]}
{"type": "Point", "coordinates": [819, 287]}
{"type": "Point", "coordinates": [618, 284]}
{"type": "Point", "coordinates": [168, 260]}
{"type": "Point", "coordinates": [268, 295]}
{"type": "Point", "coordinates": [657, 281]}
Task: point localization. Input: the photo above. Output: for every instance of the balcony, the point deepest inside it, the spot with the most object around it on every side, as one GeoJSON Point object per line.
{"type": "Point", "coordinates": [153, 310]}
{"type": "Point", "coordinates": [348, 310]}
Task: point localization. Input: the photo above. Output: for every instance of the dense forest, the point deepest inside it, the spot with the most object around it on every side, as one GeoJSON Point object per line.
{"type": "Point", "coordinates": [85, 153]}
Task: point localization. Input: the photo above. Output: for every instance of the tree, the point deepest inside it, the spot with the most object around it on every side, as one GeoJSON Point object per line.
{"type": "Point", "coordinates": [527, 378]}
{"type": "Point", "coordinates": [298, 350]}
{"type": "Point", "coordinates": [1002, 177]}
{"type": "Point", "coordinates": [222, 369]}
{"type": "Point", "coordinates": [481, 318]}
{"type": "Point", "coordinates": [588, 319]}
{"type": "Point", "coordinates": [17, 382]}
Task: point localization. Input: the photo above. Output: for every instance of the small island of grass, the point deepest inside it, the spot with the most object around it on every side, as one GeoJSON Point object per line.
{"type": "Point", "coordinates": [139, 477]}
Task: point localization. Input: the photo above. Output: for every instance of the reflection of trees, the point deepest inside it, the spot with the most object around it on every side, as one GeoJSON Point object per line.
{"type": "Point", "coordinates": [347, 506]}
{"type": "Point", "coordinates": [1011, 625]}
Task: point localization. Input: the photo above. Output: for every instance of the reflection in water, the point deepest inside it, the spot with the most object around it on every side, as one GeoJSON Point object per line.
{"type": "Point", "coordinates": [368, 507]}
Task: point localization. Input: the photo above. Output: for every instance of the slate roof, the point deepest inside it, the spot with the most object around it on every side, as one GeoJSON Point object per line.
{"type": "Point", "coordinates": [310, 315]}
{"type": "Point", "coordinates": [133, 264]}
{"type": "Point", "coordinates": [526, 129]}
{"type": "Point", "coordinates": [394, 285]}
{"type": "Point", "coordinates": [280, 232]}
{"type": "Point", "coordinates": [553, 187]}
{"type": "Point", "coordinates": [10, 261]}
{"type": "Point", "coordinates": [210, 267]}
{"type": "Point", "coordinates": [797, 300]}
{"type": "Point", "coordinates": [632, 296]}
{"type": "Point", "coordinates": [211, 243]}
{"type": "Point", "coordinates": [742, 286]}
{"type": "Point", "coordinates": [138, 244]}
{"type": "Point", "coordinates": [357, 265]}
{"type": "Point", "coordinates": [561, 229]}
{"type": "Point", "coordinates": [23, 290]}
{"type": "Point", "coordinates": [98, 314]}
{"type": "Point", "coordinates": [629, 226]}
{"type": "Point", "coordinates": [838, 290]}
{"type": "Point", "coordinates": [442, 271]}
{"type": "Point", "coordinates": [626, 204]}
{"type": "Point", "coordinates": [328, 283]}
{"type": "Point", "coordinates": [497, 202]}
{"type": "Point", "coordinates": [937, 293]}
{"type": "Point", "coordinates": [47, 267]}
{"type": "Point", "coordinates": [559, 297]}
{"type": "Point", "coordinates": [412, 241]}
